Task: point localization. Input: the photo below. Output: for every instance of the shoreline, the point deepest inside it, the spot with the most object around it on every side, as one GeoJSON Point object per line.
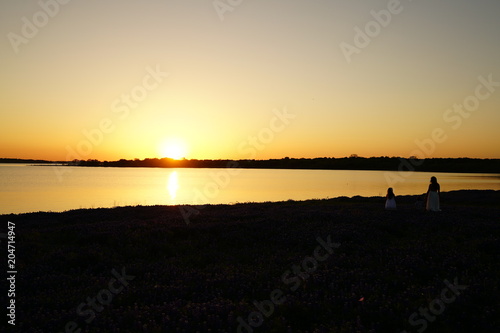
{"type": "Point", "coordinates": [64, 164]}
{"type": "Point", "coordinates": [405, 199]}
{"type": "Point", "coordinates": [382, 163]}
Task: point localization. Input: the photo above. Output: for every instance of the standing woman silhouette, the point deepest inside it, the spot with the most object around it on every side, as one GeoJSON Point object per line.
{"type": "Point", "coordinates": [390, 199]}
{"type": "Point", "coordinates": [432, 197]}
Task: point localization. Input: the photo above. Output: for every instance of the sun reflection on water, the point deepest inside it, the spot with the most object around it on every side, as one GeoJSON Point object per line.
{"type": "Point", "coordinates": [173, 184]}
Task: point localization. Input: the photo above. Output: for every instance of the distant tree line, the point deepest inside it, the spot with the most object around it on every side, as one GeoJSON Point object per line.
{"type": "Point", "coordinates": [23, 161]}
{"type": "Point", "coordinates": [353, 162]}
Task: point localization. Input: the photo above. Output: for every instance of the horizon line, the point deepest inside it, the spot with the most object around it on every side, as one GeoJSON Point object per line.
{"type": "Point", "coordinates": [353, 156]}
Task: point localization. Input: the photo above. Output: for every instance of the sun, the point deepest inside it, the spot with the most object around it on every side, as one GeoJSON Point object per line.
{"type": "Point", "coordinates": [175, 149]}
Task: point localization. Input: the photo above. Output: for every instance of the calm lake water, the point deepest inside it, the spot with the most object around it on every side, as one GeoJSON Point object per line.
{"type": "Point", "coordinates": [28, 188]}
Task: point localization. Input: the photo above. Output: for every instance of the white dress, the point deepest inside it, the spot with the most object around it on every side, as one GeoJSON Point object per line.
{"type": "Point", "coordinates": [390, 203]}
{"type": "Point", "coordinates": [432, 202]}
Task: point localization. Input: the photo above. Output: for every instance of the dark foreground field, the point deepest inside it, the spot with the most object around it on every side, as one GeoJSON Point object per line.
{"type": "Point", "coordinates": [337, 265]}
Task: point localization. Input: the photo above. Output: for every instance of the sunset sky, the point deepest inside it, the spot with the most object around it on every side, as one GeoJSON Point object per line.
{"type": "Point", "coordinates": [249, 79]}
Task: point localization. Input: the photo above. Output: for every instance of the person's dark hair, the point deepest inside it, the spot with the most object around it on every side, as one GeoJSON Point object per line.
{"type": "Point", "coordinates": [390, 193]}
{"type": "Point", "coordinates": [434, 180]}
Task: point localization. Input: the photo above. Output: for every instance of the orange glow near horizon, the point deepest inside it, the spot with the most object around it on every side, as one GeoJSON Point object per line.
{"type": "Point", "coordinates": [178, 82]}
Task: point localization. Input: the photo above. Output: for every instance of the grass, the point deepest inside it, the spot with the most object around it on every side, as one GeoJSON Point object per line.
{"type": "Point", "coordinates": [201, 277]}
